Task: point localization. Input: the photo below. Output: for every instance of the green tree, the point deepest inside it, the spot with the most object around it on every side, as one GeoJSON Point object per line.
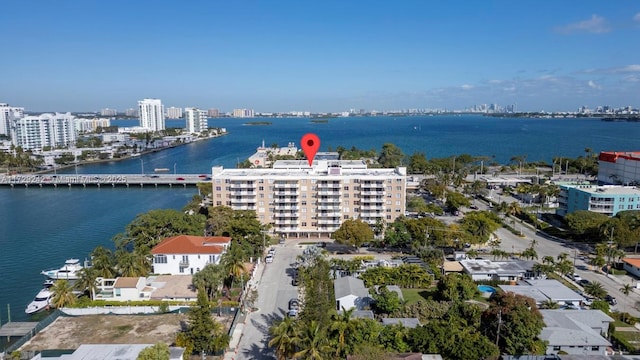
{"type": "Point", "coordinates": [283, 334]}
{"type": "Point", "coordinates": [159, 351]}
{"type": "Point", "coordinates": [595, 289]}
{"type": "Point", "coordinates": [390, 156]}
{"type": "Point", "coordinates": [204, 332]}
{"type": "Point", "coordinates": [397, 234]}
{"type": "Point", "coordinates": [353, 232]}
{"type": "Point", "coordinates": [62, 294]}
{"type": "Point", "coordinates": [209, 278]}
{"type": "Point", "coordinates": [515, 322]}
{"type": "Point", "coordinates": [311, 342]}
{"type": "Point", "coordinates": [103, 262]}
{"type": "Point", "coordinates": [233, 263]}
{"type": "Point", "coordinates": [418, 163]}
{"type": "Point", "coordinates": [342, 324]}
{"type": "Point", "coordinates": [480, 224]}
{"type": "Point", "coordinates": [455, 200]}
{"type": "Point", "coordinates": [456, 287]}
{"type": "Point", "coordinates": [132, 264]}
{"type": "Point", "coordinates": [386, 301]}
{"type": "Point", "coordinates": [416, 204]}
{"type": "Point", "coordinates": [148, 229]}
{"type": "Point", "coordinates": [585, 223]}
{"type": "Point", "coordinates": [87, 281]}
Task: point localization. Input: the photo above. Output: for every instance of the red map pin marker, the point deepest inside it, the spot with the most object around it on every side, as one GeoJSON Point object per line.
{"type": "Point", "coordinates": [310, 144]}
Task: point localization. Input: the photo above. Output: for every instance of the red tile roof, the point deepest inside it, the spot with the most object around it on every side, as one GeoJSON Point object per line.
{"type": "Point", "coordinates": [632, 261]}
{"type": "Point", "coordinates": [190, 244]}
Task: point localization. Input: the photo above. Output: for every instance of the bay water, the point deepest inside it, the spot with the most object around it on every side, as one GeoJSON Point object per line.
{"type": "Point", "coordinates": [41, 228]}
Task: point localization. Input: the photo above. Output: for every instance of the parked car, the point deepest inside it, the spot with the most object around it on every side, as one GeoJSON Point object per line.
{"type": "Point", "coordinates": [584, 282]}
{"type": "Point", "coordinates": [611, 300]}
{"type": "Point", "coordinates": [268, 259]}
{"type": "Point", "coordinates": [575, 277]}
{"type": "Point", "coordinates": [180, 178]}
{"type": "Point", "coordinates": [294, 307]}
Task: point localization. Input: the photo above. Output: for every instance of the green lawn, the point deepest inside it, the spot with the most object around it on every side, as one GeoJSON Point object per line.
{"type": "Point", "coordinates": [414, 295]}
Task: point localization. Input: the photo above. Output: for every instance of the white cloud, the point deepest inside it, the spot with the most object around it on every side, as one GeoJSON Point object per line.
{"type": "Point", "coordinates": [467, 87]}
{"type": "Point", "coordinates": [595, 25]}
{"type": "Point", "coordinates": [636, 17]}
{"type": "Point", "coordinates": [593, 85]}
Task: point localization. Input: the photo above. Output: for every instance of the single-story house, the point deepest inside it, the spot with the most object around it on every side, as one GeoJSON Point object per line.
{"type": "Point", "coordinates": [187, 254]}
{"type": "Point", "coordinates": [512, 270]}
{"type": "Point", "coordinates": [575, 332]}
{"type": "Point", "coordinates": [452, 267]}
{"type": "Point", "coordinates": [544, 290]}
{"type": "Point", "coordinates": [173, 288]}
{"type": "Point", "coordinates": [350, 293]}
{"type": "Point", "coordinates": [110, 352]}
{"type": "Point", "coordinates": [122, 289]}
{"type": "Point", "coordinates": [632, 266]}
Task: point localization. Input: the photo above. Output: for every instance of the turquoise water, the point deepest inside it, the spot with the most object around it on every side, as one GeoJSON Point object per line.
{"type": "Point", "coordinates": [486, 288]}
{"type": "Point", "coordinates": [43, 227]}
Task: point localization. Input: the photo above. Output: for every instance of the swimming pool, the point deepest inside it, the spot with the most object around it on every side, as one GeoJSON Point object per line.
{"type": "Point", "coordinates": [486, 289]}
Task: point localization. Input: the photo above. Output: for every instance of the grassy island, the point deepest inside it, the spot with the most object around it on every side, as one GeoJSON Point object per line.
{"type": "Point", "coordinates": [258, 123]}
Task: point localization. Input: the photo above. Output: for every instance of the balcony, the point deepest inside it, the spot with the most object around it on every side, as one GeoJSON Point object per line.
{"type": "Point", "coordinates": [285, 186]}
{"type": "Point", "coordinates": [243, 193]}
{"type": "Point", "coordinates": [285, 222]}
{"type": "Point", "coordinates": [243, 200]}
{"type": "Point", "coordinates": [333, 222]}
{"type": "Point", "coordinates": [285, 200]}
{"type": "Point", "coordinates": [235, 187]}
{"type": "Point", "coordinates": [286, 208]}
{"type": "Point", "coordinates": [328, 208]}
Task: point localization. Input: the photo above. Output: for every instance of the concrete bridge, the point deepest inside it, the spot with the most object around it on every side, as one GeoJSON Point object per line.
{"type": "Point", "coordinates": [102, 180]}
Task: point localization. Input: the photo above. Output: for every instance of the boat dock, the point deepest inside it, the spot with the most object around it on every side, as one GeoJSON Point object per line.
{"type": "Point", "coordinates": [17, 329]}
{"type": "Point", "coordinates": [102, 180]}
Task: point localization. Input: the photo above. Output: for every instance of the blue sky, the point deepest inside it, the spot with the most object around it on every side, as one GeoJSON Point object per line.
{"type": "Point", "coordinates": [329, 55]}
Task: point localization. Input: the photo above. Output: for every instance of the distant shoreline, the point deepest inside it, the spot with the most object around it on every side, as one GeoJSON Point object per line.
{"type": "Point", "coordinates": [100, 161]}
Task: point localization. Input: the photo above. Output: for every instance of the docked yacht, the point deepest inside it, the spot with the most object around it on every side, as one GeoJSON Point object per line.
{"type": "Point", "coordinates": [40, 302]}
{"type": "Point", "coordinates": [69, 271]}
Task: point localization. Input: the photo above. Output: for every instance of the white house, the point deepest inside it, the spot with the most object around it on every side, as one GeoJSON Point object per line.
{"type": "Point", "coordinates": [350, 293]}
{"type": "Point", "coordinates": [122, 289]}
{"type": "Point", "coordinates": [575, 332]}
{"type": "Point", "coordinates": [187, 254]}
{"type": "Point", "coordinates": [512, 270]}
{"type": "Point", "coordinates": [632, 266]}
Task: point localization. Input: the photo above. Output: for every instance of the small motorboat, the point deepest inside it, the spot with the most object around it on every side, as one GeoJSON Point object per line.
{"type": "Point", "coordinates": [69, 271]}
{"type": "Point", "coordinates": [40, 302]}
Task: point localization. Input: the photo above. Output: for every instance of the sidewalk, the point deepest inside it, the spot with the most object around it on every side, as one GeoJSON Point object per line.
{"type": "Point", "coordinates": [236, 336]}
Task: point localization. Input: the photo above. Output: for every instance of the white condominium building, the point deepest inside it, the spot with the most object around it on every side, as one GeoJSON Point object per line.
{"type": "Point", "coordinates": [151, 114]}
{"type": "Point", "coordinates": [91, 125]}
{"type": "Point", "coordinates": [7, 115]}
{"type": "Point", "coordinates": [196, 120]}
{"type": "Point", "coordinates": [37, 132]}
{"type": "Point", "coordinates": [244, 113]}
{"type": "Point", "coordinates": [303, 201]}
{"type": "Point", "coordinates": [174, 113]}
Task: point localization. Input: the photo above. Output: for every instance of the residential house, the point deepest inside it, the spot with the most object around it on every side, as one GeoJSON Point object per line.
{"type": "Point", "coordinates": [632, 266]}
{"type": "Point", "coordinates": [350, 293]}
{"type": "Point", "coordinates": [122, 289]}
{"type": "Point", "coordinates": [512, 270]}
{"type": "Point", "coordinates": [575, 332]}
{"type": "Point", "coordinates": [109, 352]}
{"type": "Point", "coordinates": [545, 290]}
{"type": "Point", "coordinates": [187, 254]}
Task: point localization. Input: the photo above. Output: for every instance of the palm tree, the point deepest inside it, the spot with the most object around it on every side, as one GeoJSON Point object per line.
{"type": "Point", "coordinates": [595, 289]}
{"type": "Point", "coordinates": [233, 263]}
{"type": "Point", "coordinates": [549, 304]}
{"type": "Point", "coordinates": [342, 325]}
{"type": "Point", "coordinates": [282, 340]}
{"type": "Point", "coordinates": [312, 342]}
{"type": "Point", "coordinates": [529, 253]}
{"type": "Point", "coordinates": [102, 260]}
{"type": "Point", "coordinates": [87, 281]}
{"type": "Point", "coordinates": [62, 294]}
{"type": "Point", "coordinates": [548, 260]}
{"type": "Point", "coordinates": [626, 289]}
{"type": "Point", "coordinates": [513, 209]}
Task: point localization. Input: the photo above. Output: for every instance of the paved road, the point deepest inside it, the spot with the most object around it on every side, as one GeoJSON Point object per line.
{"type": "Point", "coordinates": [274, 292]}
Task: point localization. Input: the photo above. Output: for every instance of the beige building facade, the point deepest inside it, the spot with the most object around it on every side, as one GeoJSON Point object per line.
{"type": "Point", "coordinates": [312, 202]}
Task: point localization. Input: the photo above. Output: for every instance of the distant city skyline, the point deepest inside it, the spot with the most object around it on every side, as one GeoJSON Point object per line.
{"type": "Point", "coordinates": [330, 56]}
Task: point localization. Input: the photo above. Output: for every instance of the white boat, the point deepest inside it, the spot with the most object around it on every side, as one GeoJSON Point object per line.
{"type": "Point", "coordinates": [40, 302]}
{"type": "Point", "coordinates": [69, 271]}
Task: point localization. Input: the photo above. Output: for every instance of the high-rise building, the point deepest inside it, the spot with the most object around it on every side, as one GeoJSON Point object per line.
{"type": "Point", "coordinates": [213, 112]}
{"type": "Point", "coordinates": [196, 120]}
{"type": "Point", "coordinates": [8, 114]}
{"type": "Point", "coordinates": [108, 112]}
{"type": "Point", "coordinates": [131, 112]}
{"type": "Point", "coordinates": [619, 167]}
{"type": "Point", "coordinates": [37, 132]}
{"type": "Point", "coordinates": [174, 113]}
{"type": "Point", "coordinates": [151, 114]}
{"type": "Point", "coordinates": [90, 125]}
{"type": "Point", "coordinates": [243, 113]}
{"type": "Point", "coordinates": [303, 201]}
